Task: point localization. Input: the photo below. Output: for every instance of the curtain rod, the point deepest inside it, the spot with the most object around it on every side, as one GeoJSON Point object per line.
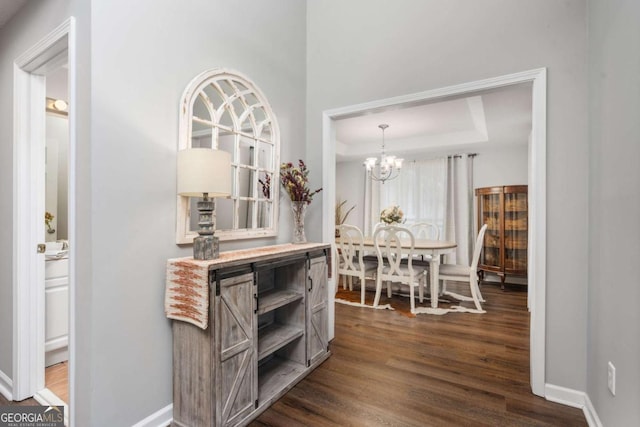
{"type": "Point", "coordinates": [459, 156]}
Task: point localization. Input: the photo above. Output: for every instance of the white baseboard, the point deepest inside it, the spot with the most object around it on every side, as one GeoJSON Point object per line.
{"type": "Point", "coordinates": [573, 398]}
{"type": "Point", "coordinates": [160, 418]}
{"type": "Point", "coordinates": [590, 414]}
{"type": "Point", "coordinates": [6, 386]}
{"type": "Point", "coordinates": [47, 398]}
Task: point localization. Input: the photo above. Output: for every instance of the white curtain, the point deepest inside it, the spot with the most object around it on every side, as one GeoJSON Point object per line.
{"type": "Point", "coordinates": [371, 204]}
{"type": "Point", "coordinates": [438, 191]}
{"type": "Point", "coordinates": [420, 191]}
{"type": "Point", "coordinates": [459, 208]}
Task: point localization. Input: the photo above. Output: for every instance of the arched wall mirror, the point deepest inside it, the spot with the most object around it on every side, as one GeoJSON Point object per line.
{"type": "Point", "coordinates": [222, 109]}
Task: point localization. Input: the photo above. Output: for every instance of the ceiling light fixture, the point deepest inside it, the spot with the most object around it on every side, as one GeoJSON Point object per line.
{"type": "Point", "coordinates": [57, 106]}
{"type": "Point", "coordinates": [60, 105]}
{"type": "Point", "coordinates": [388, 167]}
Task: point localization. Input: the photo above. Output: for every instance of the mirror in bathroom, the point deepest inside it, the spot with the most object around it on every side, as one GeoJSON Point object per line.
{"type": "Point", "coordinates": [224, 110]}
{"type": "Point", "coordinates": [56, 171]}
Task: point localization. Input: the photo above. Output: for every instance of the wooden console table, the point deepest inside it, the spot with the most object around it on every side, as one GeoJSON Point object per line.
{"type": "Point", "coordinates": [267, 329]}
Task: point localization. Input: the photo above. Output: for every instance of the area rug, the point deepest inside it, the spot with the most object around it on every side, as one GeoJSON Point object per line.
{"type": "Point", "coordinates": [353, 298]}
{"type": "Point", "coordinates": [400, 304]}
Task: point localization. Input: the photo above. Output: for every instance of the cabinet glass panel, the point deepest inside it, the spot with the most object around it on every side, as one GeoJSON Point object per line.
{"type": "Point", "coordinates": [515, 231]}
{"type": "Point", "coordinates": [490, 214]}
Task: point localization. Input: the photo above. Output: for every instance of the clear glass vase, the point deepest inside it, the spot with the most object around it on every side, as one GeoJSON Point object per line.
{"type": "Point", "coordinates": [299, 210]}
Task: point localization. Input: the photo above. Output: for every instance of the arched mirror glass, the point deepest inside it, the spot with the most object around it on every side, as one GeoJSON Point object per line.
{"type": "Point", "coordinates": [224, 110]}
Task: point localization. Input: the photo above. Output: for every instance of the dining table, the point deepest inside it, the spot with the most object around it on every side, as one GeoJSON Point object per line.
{"type": "Point", "coordinates": [432, 248]}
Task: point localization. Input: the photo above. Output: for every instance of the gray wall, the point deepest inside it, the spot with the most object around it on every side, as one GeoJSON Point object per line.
{"type": "Point", "coordinates": [413, 46]}
{"type": "Point", "coordinates": [614, 209]}
{"type": "Point", "coordinates": [139, 73]}
{"type": "Point", "coordinates": [127, 142]}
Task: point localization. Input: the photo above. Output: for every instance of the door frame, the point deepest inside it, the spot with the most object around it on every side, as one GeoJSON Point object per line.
{"type": "Point", "coordinates": [537, 193]}
{"type": "Point", "coordinates": [56, 48]}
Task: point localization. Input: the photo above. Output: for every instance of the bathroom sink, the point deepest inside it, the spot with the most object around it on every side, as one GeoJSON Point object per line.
{"type": "Point", "coordinates": [56, 250]}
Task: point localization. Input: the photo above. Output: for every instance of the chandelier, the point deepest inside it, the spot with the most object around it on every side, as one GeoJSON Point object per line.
{"type": "Point", "coordinates": [388, 167]}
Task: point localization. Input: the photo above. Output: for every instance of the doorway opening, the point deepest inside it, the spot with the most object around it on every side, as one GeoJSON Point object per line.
{"type": "Point", "coordinates": [536, 181]}
{"type": "Point", "coordinates": [38, 341]}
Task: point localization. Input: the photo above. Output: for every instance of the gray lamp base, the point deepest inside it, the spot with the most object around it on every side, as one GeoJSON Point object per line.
{"type": "Point", "coordinates": [206, 247]}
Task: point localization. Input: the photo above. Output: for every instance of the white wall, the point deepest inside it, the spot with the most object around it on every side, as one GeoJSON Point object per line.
{"type": "Point", "coordinates": [614, 209]}
{"type": "Point", "coordinates": [505, 165]}
{"type": "Point", "coordinates": [413, 46]}
{"type": "Point", "coordinates": [350, 180]}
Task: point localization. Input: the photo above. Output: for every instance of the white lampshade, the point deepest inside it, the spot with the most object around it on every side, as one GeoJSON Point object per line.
{"type": "Point", "coordinates": [204, 170]}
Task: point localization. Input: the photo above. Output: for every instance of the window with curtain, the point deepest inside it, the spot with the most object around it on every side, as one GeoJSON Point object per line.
{"type": "Point", "coordinates": [421, 192]}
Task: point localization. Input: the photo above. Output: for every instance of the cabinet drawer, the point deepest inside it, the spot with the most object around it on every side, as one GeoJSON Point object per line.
{"type": "Point", "coordinates": [56, 268]}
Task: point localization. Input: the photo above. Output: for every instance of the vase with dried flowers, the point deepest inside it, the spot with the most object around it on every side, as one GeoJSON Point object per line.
{"type": "Point", "coordinates": [48, 217]}
{"type": "Point", "coordinates": [295, 181]}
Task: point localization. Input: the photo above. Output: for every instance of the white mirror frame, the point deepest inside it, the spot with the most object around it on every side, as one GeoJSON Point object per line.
{"type": "Point", "coordinates": [184, 234]}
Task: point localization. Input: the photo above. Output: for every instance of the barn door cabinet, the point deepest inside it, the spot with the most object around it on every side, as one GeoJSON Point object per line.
{"type": "Point", "coordinates": [505, 211]}
{"type": "Point", "coordinates": [267, 330]}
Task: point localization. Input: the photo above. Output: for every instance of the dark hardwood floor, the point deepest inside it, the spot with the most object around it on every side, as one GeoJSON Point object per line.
{"type": "Point", "coordinates": [460, 369]}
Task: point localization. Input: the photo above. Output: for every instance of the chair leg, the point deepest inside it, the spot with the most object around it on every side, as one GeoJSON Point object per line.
{"type": "Point", "coordinates": [363, 288]}
{"type": "Point", "coordinates": [378, 291]}
{"type": "Point", "coordinates": [344, 282]}
{"type": "Point", "coordinates": [389, 294]}
{"type": "Point", "coordinates": [473, 284]}
{"type": "Point", "coordinates": [480, 297]}
{"type": "Point", "coordinates": [411, 297]}
{"type": "Point", "coordinates": [421, 286]}
{"type": "Point", "coordinates": [350, 283]}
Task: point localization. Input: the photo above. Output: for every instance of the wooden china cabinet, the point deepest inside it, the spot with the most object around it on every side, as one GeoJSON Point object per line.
{"type": "Point", "coordinates": [505, 210]}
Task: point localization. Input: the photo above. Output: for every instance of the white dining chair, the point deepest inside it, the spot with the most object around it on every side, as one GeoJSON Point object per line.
{"type": "Point", "coordinates": [463, 273]}
{"type": "Point", "coordinates": [351, 263]}
{"type": "Point", "coordinates": [425, 230]}
{"type": "Point", "coordinates": [392, 243]}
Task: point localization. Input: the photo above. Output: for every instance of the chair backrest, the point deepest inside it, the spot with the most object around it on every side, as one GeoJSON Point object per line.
{"type": "Point", "coordinates": [478, 248]}
{"type": "Point", "coordinates": [425, 230]}
{"type": "Point", "coordinates": [351, 249]}
{"type": "Point", "coordinates": [392, 243]}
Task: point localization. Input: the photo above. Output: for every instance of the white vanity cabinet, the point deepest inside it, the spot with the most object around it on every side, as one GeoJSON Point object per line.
{"type": "Point", "coordinates": [267, 330]}
{"type": "Point", "coordinates": [56, 289]}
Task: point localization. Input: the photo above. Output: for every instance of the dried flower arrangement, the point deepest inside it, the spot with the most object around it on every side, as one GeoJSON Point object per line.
{"type": "Point", "coordinates": [48, 217]}
{"type": "Point", "coordinates": [266, 186]}
{"type": "Point", "coordinates": [296, 182]}
{"type": "Point", "coordinates": [391, 215]}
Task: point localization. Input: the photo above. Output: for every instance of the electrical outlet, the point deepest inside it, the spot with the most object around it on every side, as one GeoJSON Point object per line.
{"type": "Point", "coordinates": [611, 378]}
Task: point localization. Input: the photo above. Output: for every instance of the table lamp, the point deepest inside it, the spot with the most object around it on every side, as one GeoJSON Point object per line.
{"type": "Point", "coordinates": [206, 173]}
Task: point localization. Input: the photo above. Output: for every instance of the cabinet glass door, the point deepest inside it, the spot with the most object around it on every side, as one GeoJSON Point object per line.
{"type": "Point", "coordinates": [490, 214]}
{"type": "Point", "coordinates": [515, 231]}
